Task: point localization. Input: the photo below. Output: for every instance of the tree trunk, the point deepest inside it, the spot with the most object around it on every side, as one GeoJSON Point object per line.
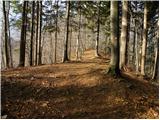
{"type": "Point", "coordinates": [134, 37]}
{"type": "Point", "coordinates": [98, 27]}
{"type": "Point", "coordinates": [79, 32]}
{"type": "Point", "coordinates": [67, 33]}
{"type": "Point", "coordinates": [114, 63]}
{"type": "Point", "coordinates": [155, 63]}
{"type": "Point", "coordinates": [7, 37]}
{"type": "Point", "coordinates": [10, 46]}
{"type": "Point", "coordinates": [37, 29]}
{"type": "Point", "coordinates": [136, 48]}
{"type": "Point", "coordinates": [70, 47]}
{"type": "Point", "coordinates": [51, 48]}
{"type": "Point", "coordinates": [32, 34]}
{"type": "Point", "coordinates": [23, 36]}
{"type": "Point", "coordinates": [128, 35]}
{"type": "Point", "coordinates": [40, 34]}
{"type": "Point", "coordinates": [144, 43]}
{"type": "Point", "coordinates": [123, 35]}
{"type": "Point", "coordinates": [56, 32]}
{"type": "Point", "coordinates": [3, 63]}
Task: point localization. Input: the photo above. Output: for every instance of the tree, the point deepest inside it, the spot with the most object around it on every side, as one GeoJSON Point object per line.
{"type": "Point", "coordinates": [155, 63]}
{"type": "Point", "coordinates": [65, 57]}
{"type": "Point", "coordinates": [56, 33]}
{"type": "Point", "coordinates": [144, 44]}
{"type": "Point", "coordinates": [37, 33]}
{"type": "Point", "coordinates": [79, 31]}
{"type": "Point", "coordinates": [156, 59]}
{"type": "Point", "coordinates": [40, 34]}
{"type": "Point", "coordinates": [9, 62]}
{"type": "Point", "coordinates": [32, 34]}
{"type": "Point", "coordinates": [98, 27]}
{"type": "Point", "coordinates": [23, 35]}
{"type": "Point", "coordinates": [123, 34]}
{"type": "Point", "coordinates": [114, 63]}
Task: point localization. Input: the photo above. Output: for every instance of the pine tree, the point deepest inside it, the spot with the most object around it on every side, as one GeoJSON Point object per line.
{"type": "Point", "coordinates": [67, 33]}
{"type": "Point", "coordinates": [23, 35]}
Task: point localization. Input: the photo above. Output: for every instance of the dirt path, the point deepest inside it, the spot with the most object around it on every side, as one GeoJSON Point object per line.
{"type": "Point", "coordinates": [75, 90]}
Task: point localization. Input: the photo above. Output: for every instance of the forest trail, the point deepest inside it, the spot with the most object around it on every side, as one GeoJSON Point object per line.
{"type": "Point", "coordinates": [75, 90]}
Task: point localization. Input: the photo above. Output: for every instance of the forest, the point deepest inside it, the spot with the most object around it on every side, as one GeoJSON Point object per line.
{"type": "Point", "coordinates": [79, 59]}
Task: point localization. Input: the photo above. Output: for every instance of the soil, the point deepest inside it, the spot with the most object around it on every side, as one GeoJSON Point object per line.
{"type": "Point", "coordinates": [76, 90]}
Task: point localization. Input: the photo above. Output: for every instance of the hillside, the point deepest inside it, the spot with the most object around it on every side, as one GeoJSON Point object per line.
{"type": "Point", "coordinates": [76, 90]}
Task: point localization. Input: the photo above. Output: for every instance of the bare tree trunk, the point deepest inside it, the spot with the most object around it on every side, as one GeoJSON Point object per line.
{"type": "Point", "coordinates": [36, 54]}
{"type": "Point", "coordinates": [65, 58]}
{"type": "Point", "coordinates": [98, 27]}
{"type": "Point", "coordinates": [155, 63]}
{"type": "Point", "coordinates": [3, 62]}
{"type": "Point", "coordinates": [70, 47]}
{"type": "Point", "coordinates": [128, 35]}
{"type": "Point", "coordinates": [56, 32]}
{"type": "Point", "coordinates": [7, 37]}
{"type": "Point", "coordinates": [51, 46]}
{"type": "Point", "coordinates": [136, 48]}
{"type": "Point", "coordinates": [144, 44]}
{"type": "Point", "coordinates": [23, 36]}
{"type": "Point", "coordinates": [114, 63]}
{"type": "Point", "coordinates": [155, 69]}
{"type": "Point", "coordinates": [123, 35]}
{"type": "Point", "coordinates": [40, 34]}
{"type": "Point", "coordinates": [32, 34]}
{"type": "Point", "coordinates": [10, 46]}
{"type": "Point", "coordinates": [79, 33]}
{"type": "Point", "coordinates": [134, 37]}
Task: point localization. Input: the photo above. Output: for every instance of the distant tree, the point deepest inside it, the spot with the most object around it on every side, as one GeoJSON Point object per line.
{"type": "Point", "coordinates": [66, 57]}
{"type": "Point", "coordinates": [9, 62]}
{"type": "Point", "coordinates": [23, 35]}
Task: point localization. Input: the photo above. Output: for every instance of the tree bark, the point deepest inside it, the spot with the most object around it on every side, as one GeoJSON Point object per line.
{"type": "Point", "coordinates": [56, 33]}
{"type": "Point", "coordinates": [37, 29]}
{"type": "Point", "coordinates": [123, 34]}
{"type": "Point", "coordinates": [136, 48]}
{"type": "Point", "coordinates": [40, 34]}
{"type": "Point", "coordinates": [32, 34]}
{"type": "Point", "coordinates": [65, 58]}
{"type": "Point", "coordinates": [114, 63]}
{"type": "Point", "coordinates": [128, 35]}
{"type": "Point", "coordinates": [156, 67]}
{"type": "Point", "coordinates": [70, 47]}
{"type": "Point", "coordinates": [155, 63]}
{"type": "Point", "coordinates": [7, 37]}
{"type": "Point", "coordinates": [23, 35]}
{"type": "Point", "coordinates": [98, 27]}
{"type": "Point", "coordinates": [79, 32]}
{"type": "Point", "coordinates": [144, 43]}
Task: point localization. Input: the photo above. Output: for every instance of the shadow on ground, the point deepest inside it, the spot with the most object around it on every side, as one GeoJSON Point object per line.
{"type": "Point", "coordinates": [111, 98]}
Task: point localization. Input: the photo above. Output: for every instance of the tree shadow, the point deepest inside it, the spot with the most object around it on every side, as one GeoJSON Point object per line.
{"type": "Point", "coordinates": [109, 99]}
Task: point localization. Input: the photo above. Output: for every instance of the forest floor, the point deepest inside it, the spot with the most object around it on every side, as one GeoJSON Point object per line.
{"type": "Point", "coordinates": [76, 90]}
